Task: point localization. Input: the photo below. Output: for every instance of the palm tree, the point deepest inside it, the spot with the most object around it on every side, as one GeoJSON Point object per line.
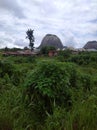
{"type": "Point", "coordinates": [31, 38]}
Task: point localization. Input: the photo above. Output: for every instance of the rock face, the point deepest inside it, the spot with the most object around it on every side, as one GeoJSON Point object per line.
{"type": "Point", "coordinates": [51, 40]}
{"type": "Point", "coordinates": [91, 45]}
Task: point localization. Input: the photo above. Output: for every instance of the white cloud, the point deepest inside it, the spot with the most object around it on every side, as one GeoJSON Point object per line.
{"type": "Point", "coordinates": [75, 22]}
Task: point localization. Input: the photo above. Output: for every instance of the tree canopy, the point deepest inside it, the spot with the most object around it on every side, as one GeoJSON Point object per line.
{"type": "Point", "coordinates": [31, 38]}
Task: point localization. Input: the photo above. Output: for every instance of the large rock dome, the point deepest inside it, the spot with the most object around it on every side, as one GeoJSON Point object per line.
{"type": "Point", "coordinates": [91, 45]}
{"type": "Point", "coordinates": [51, 40]}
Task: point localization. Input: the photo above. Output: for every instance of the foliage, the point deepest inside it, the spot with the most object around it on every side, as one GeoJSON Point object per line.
{"type": "Point", "coordinates": [31, 38]}
{"type": "Point", "coordinates": [84, 58]}
{"type": "Point", "coordinates": [83, 113]}
{"type": "Point", "coordinates": [49, 85]}
{"type": "Point", "coordinates": [66, 53]}
{"type": "Point", "coordinates": [44, 90]}
{"type": "Point", "coordinates": [45, 50]}
{"type": "Point", "coordinates": [14, 49]}
{"type": "Point", "coordinates": [45, 94]}
{"type": "Point", "coordinates": [57, 120]}
{"type": "Point", "coordinates": [9, 73]}
{"type": "Point", "coordinates": [6, 67]}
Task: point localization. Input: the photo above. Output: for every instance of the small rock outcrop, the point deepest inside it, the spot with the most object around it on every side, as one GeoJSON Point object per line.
{"type": "Point", "coordinates": [51, 40]}
{"type": "Point", "coordinates": [91, 45]}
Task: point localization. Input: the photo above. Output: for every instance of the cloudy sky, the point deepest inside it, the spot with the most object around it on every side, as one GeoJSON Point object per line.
{"type": "Point", "coordinates": [73, 21]}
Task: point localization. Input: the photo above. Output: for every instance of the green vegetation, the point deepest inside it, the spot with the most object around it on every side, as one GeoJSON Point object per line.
{"type": "Point", "coordinates": [43, 93]}
{"type": "Point", "coordinates": [31, 38]}
{"type": "Point", "coordinates": [45, 50]}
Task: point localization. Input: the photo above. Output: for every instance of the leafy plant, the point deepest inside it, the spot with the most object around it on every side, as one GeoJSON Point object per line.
{"type": "Point", "coordinates": [49, 84]}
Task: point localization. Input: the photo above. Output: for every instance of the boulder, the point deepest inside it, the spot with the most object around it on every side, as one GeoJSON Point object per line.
{"type": "Point", "coordinates": [91, 45]}
{"type": "Point", "coordinates": [51, 40]}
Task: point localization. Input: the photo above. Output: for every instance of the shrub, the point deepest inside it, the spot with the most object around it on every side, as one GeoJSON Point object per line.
{"type": "Point", "coordinates": [84, 58]}
{"type": "Point", "coordinates": [45, 50]}
{"type": "Point", "coordinates": [6, 67]}
{"type": "Point", "coordinates": [9, 73]}
{"type": "Point", "coordinates": [49, 84]}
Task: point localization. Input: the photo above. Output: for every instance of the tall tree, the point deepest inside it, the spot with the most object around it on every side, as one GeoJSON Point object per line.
{"type": "Point", "coordinates": [31, 38]}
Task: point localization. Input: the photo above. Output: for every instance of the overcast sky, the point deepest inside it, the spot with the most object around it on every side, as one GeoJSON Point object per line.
{"type": "Point", "coordinates": [73, 21]}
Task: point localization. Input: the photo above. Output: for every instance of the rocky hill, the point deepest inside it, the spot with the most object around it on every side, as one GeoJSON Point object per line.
{"type": "Point", "coordinates": [91, 45]}
{"type": "Point", "coordinates": [51, 40]}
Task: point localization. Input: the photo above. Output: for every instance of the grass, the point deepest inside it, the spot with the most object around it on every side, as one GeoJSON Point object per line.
{"type": "Point", "coordinates": [16, 113]}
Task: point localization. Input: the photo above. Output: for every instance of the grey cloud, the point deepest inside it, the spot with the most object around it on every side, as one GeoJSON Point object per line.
{"type": "Point", "coordinates": [5, 42]}
{"type": "Point", "coordinates": [12, 6]}
{"type": "Point", "coordinates": [71, 42]}
{"type": "Point", "coordinates": [74, 22]}
{"type": "Point", "coordinates": [20, 43]}
{"type": "Point", "coordinates": [93, 21]}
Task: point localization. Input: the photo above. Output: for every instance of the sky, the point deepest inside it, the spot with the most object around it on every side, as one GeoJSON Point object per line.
{"type": "Point", "coordinates": [73, 21]}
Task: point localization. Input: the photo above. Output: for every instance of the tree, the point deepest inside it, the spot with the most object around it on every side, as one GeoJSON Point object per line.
{"type": "Point", "coordinates": [26, 48]}
{"type": "Point", "coordinates": [31, 38]}
{"type": "Point", "coordinates": [6, 48]}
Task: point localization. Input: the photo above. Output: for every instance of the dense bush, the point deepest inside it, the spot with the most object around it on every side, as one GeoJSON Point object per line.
{"type": "Point", "coordinates": [49, 84]}
{"type": "Point", "coordinates": [45, 50]}
{"type": "Point", "coordinates": [50, 95]}
{"type": "Point", "coordinates": [9, 73]}
{"type": "Point", "coordinates": [29, 59]}
{"type": "Point", "coordinates": [66, 53]}
{"type": "Point", "coordinates": [84, 58]}
{"type": "Point", "coordinates": [6, 67]}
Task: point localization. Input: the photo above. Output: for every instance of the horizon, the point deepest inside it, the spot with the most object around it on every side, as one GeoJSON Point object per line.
{"type": "Point", "coordinates": [74, 22]}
